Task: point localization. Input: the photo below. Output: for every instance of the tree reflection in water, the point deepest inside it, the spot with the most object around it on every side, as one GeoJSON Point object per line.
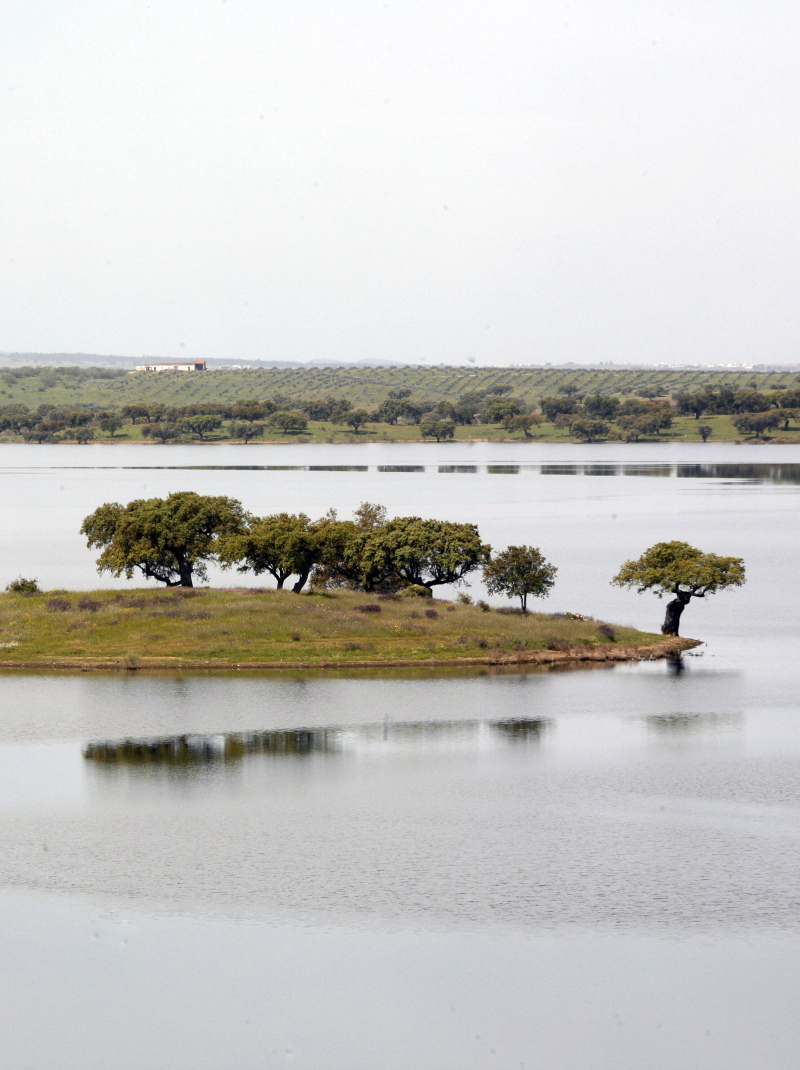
{"type": "Point", "coordinates": [185, 750]}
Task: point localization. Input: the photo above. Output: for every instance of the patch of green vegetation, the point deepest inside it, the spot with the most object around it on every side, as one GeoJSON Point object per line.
{"type": "Point", "coordinates": [133, 627]}
{"type": "Point", "coordinates": [393, 405]}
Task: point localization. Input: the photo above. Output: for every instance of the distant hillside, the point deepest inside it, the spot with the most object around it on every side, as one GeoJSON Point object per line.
{"type": "Point", "coordinates": [367, 386]}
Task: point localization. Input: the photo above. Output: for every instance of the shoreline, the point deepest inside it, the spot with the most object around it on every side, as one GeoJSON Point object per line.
{"type": "Point", "coordinates": [628, 653]}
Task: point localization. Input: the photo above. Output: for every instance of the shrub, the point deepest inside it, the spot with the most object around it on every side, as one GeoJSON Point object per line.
{"type": "Point", "coordinates": [371, 607]}
{"type": "Point", "coordinates": [23, 586]}
{"type": "Point", "coordinates": [463, 598]}
{"type": "Point", "coordinates": [609, 632]}
{"type": "Point", "coordinates": [59, 605]}
{"type": "Point", "coordinates": [482, 644]}
{"type": "Point", "coordinates": [481, 604]}
{"type": "Point", "coordinates": [417, 590]}
{"type": "Point", "coordinates": [89, 605]}
{"type": "Point", "coordinates": [557, 644]}
{"type": "Point", "coordinates": [431, 613]}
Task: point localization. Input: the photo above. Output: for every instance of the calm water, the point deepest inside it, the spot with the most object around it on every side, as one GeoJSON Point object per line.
{"type": "Point", "coordinates": [559, 870]}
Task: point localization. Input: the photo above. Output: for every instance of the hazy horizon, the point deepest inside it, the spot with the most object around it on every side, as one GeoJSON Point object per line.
{"type": "Point", "coordinates": [438, 183]}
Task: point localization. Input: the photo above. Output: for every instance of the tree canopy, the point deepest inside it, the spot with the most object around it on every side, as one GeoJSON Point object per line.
{"type": "Point", "coordinates": [167, 539]}
{"type": "Point", "coordinates": [519, 571]}
{"type": "Point", "coordinates": [423, 552]}
{"type": "Point", "coordinates": [282, 545]}
{"type": "Point", "coordinates": [682, 570]}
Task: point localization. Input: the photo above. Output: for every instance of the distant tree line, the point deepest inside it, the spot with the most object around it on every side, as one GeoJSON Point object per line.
{"type": "Point", "coordinates": [585, 417]}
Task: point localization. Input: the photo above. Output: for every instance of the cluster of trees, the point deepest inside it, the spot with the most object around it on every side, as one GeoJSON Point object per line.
{"type": "Point", "coordinates": [173, 539]}
{"type": "Point", "coordinates": [588, 418]}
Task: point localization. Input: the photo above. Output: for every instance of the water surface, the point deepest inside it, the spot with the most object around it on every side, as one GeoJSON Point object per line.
{"type": "Point", "coordinates": [547, 869]}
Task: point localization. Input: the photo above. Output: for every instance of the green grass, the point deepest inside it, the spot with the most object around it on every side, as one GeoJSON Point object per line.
{"type": "Point", "coordinates": [205, 626]}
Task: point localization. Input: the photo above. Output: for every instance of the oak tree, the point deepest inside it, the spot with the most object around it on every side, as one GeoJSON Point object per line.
{"type": "Point", "coordinates": [681, 570]}
{"type": "Point", "coordinates": [168, 539]}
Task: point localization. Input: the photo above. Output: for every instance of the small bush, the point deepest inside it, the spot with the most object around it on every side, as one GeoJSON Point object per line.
{"type": "Point", "coordinates": [463, 598]}
{"type": "Point", "coordinates": [370, 607]}
{"type": "Point", "coordinates": [431, 613]}
{"type": "Point", "coordinates": [557, 644]}
{"type": "Point", "coordinates": [23, 586]}
{"type": "Point", "coordinates": [609, 632]}
{"type": "Point", "coordinates": [88, 605]}
{"type": "Point", "coordinates": [482, 643]}
{"type": "Point", "coordinates": [512, 610]}
{"type": "Point", "coordinates": [416, 590]}
{"type": "Point", "coordinates": [483, 606]}
{"type": "Point", "coordinates": [59, 605]}
{"type": "Point", "coordinates": [295, 637]}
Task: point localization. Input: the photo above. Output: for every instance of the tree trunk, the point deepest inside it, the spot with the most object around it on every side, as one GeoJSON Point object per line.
{"type": "Point", "coordinates": [185, 571]}
{"type": "Point", "coordinates": [672, 619]}
{"type": "Point", "coordinates": [301, 581]}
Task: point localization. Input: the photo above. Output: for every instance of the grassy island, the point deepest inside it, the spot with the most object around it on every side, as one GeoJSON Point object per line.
{"type": "Point", "coordinates": [207, 628]}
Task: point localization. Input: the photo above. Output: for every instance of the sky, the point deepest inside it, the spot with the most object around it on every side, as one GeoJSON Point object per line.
{"type": "Point", "coordinates": [434, 182]}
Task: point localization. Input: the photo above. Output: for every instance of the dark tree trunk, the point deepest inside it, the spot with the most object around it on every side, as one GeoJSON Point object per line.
{"type": "Point", "coordinates": [301, 581]}
{"type": "Point", "coordinates": [672, 619]}
{"type": "Point", "coordinates": [185, 571]}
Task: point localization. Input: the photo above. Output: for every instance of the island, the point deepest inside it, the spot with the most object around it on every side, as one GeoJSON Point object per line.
{"type": "Point", "coordinates": [248, 628]}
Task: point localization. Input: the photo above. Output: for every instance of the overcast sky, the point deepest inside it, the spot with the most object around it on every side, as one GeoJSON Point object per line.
{"type": "Point", "coordinates": [430, 181]}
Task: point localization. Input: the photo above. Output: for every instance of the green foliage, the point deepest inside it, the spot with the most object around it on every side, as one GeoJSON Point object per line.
{"type": "Point", "coordinates": [757, 423]}
{"type": "Point", "coordinates": [678, 568]}
{"type": "Point", "coordinates": [705, 431]}
{"type": "Point", "coordinates": [289, 420]}
{"type": "Point", "coordinates": [439, 429]}
{"type": "Point", "coordinates": [23, 586]}
{"type": "Point", "coordinates": [282, 545]}
{"type": "Point", "coordinates": [167, 539]}
{"type": "Point", "coordinates": [524, 422]}
{"type": "Point", "coordinates": [602, 406]}
{"type": "Point", "coordinates": [202, 425]}
{"type": "Point", "coordinates": [355, 418]}
{"type": "Point", "coordinates": [519, 571]}
{"type": "Point", "coordinates": [164, 433]}
{"type": "Point", "coordinates": [246, 430]}
{"type": "Point", "coordinates": [424, 552]}
{"type": "Point", "coordinates": [588, 430]}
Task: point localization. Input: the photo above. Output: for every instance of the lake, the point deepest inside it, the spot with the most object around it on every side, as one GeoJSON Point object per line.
{"type": "Point", "coordinates": [594, 868]}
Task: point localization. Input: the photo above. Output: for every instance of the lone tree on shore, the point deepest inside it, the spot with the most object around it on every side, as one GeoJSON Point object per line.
{"type": "Point", "coordinates": [520, 571]}
{"type": "Point", "coordinates": [682, 570]}
{"type": "Point", "coordinates": [167, 539]}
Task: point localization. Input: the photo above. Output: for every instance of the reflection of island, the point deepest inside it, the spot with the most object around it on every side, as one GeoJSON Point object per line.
{"type": "Point", "coordinates": [680, 723]}
{"type": "Point", "coordinates": [521, 731]}
{"type": "Point", "coordinates": [187, 750]}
